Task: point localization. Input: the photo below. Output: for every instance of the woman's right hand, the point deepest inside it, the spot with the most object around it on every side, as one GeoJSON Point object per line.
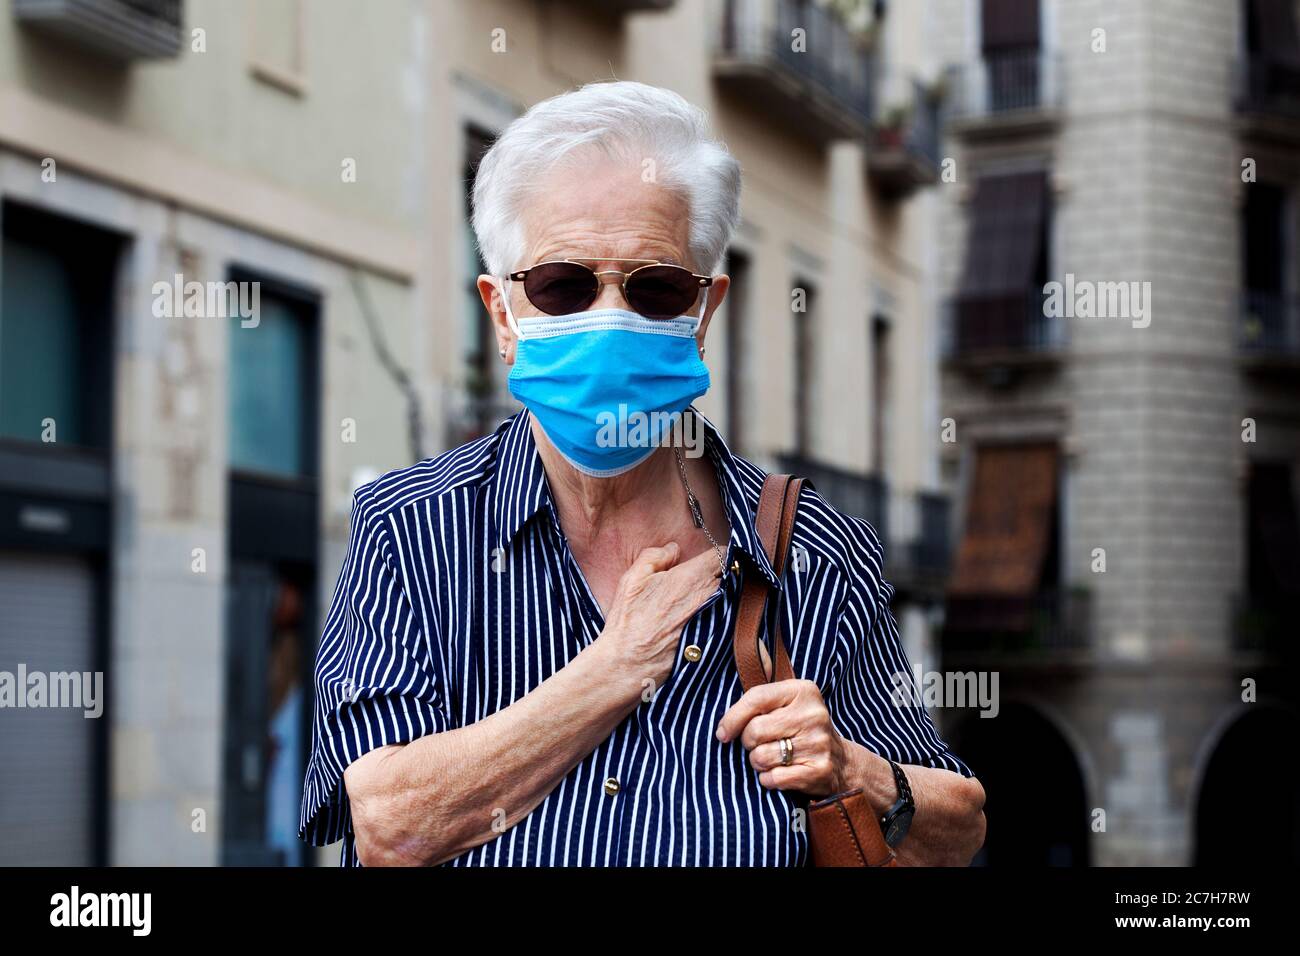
{"type": "Point", "coordinates": [655, 598]}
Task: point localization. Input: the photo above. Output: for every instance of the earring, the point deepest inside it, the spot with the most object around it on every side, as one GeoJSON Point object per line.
{"type": "Point", "coordinates": [502, 351]}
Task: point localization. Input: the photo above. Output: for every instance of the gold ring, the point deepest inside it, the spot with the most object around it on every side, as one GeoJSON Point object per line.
{"type": "Point", "coordinates": [787, 751]}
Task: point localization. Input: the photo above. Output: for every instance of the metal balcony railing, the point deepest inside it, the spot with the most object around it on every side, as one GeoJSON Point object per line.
{"type": "Point", "coordinates": [122, 29]}
{"type": "Point", "coordinates": [1264, 626]}
{"type": "Point", "coordinates": [1005, 84]}
{"type": "Point", "coordinates": [923, 130]}
{"type": "Point", "coordinates": [918, 553]}
{"type": "Point", "coordinates": [798, 57]}
{"type": "Point", "coordinates": [912, 527]}
{"type": "Point", "coordinates": [905, 141]}
{"type": "Point", "coordinates": [930, 550]}
{"type": "Point", "coordinates": [628, 6]}
{"type": "Point", "coordinates": [975, 327]}
{"type": "Point", "coordinates": [1263, 85]}
{"type": "Point", "coordinates": [1269, 325]}
{"type": "Point", "coordinates": [1050, 621]}
{"type": "Point", "coordinates": [863, 496]}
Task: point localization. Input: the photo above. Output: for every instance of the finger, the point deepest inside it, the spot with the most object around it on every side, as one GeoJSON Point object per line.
{"type": "Point", "coordinates": [775, 724]}
{"type": "Point", "coordinates": [767, 756]}
{"type": "Point", "coordinates": [700, 566]}
{"type": "Point", "coordinates": [793, 777]}
{"type": "Point", "coordinates": [755, 701]}
{"type": "Point", "coordinates": [651, 560]}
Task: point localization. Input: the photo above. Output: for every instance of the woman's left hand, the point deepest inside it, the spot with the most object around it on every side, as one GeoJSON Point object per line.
{"type": "Point", "coordinates": [794, 709]}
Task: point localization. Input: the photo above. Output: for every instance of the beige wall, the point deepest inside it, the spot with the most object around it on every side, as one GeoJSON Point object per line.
{"type": "Point", "coordinates": [205, 131]}
{"type": "Point", "coordinates": [201, 164]}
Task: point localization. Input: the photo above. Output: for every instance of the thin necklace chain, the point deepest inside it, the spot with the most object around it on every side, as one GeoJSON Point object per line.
{"type": "Point", "coordinates": [696, 515]}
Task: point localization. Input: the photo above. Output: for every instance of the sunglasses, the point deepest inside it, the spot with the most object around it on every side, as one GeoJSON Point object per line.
{"type": "Point", "coordinates": [657, 290]}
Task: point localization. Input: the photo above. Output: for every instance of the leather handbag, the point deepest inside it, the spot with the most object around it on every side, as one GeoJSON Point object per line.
{"type": "Point", "coordinates": [842, 828]}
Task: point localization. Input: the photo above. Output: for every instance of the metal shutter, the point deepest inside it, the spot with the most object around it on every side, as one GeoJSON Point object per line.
{"type": "Point", "coordinates": [47, 766]}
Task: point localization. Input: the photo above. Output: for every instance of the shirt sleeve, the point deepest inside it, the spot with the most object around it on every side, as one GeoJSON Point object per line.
{"type": "Point", "coordinates": [874, 700]}
{"type": "Point", "coordinates": [374, 681]}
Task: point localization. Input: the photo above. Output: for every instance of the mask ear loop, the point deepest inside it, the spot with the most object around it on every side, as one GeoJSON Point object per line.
{"type": "Point", "coordinates": [505, 301]}
{"type": "Point", "coordinates": [699, 319]}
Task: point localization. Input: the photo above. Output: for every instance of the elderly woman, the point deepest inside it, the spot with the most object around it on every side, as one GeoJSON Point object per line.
{"type": "Point", "coordinates": [527, 660]}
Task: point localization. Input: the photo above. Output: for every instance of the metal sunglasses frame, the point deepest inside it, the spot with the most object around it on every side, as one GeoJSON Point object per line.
{"type": "Point", "coordinates": [602, 275]}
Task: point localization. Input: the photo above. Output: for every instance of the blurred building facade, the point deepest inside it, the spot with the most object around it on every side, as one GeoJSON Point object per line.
{"type": "Point", "coordinates": [176, 480]}
{"type": "Point", "coordinates": [1125, 483]}
{"type": "Point", "coordinates": [182, 525]}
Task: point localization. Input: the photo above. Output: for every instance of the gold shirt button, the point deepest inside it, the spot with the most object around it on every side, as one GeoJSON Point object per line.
{"type": "Point", "coordinates": [735, 567]}
{"type": "Point", "coordinates": [693, 653]}
{"type": "Point", "coordinates": [611, 786]}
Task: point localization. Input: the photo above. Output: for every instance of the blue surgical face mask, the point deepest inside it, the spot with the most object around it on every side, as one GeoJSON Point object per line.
{"type": "Point", "coordinates": [606, 385]}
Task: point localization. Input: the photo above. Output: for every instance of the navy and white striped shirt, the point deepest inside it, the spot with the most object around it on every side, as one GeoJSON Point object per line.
{"type": "Point", "coordinates": [459, 595]}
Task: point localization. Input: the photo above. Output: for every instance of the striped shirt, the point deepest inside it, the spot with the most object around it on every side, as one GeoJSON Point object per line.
{"type": "Point", "coordinates": [459, 595]}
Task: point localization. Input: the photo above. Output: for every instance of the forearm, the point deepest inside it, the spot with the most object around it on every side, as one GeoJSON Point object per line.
{"type": "Point", "coordinates": [948, 827]}
{"type": "Point", "coordinates": [432, 799]}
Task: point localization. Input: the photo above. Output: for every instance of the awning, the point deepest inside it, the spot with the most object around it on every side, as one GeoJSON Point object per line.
{"type": "Point", "coordinates": [1009, 515]}
{"type": "Point", "coordinates": [1009, 25]}
{"type": "Point", "coordinates": [1003, 250]}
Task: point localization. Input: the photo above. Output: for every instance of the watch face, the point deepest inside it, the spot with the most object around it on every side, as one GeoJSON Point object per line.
{"type": "Point", "coordinates": [898, 827]}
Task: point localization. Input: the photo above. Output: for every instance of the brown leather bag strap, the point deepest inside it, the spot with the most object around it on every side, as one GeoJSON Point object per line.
{"type": "Point", "coordinates": [842, 828]}
{"type": "Point", "coordinates": [777, 505]}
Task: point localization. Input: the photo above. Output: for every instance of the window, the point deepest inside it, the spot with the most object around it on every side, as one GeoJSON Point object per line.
{"type": "Point", "coordinates": [1269, 319]}
{"type": "Point", "coordinates": [1272, 552]}
{"type": "Point", "coordinates": [737, 302]}
{"type": "Point", "coordinates": [56, 307]}
{"type": "Point", "coordinates": [1007, 575]}
{"type": "Point", "coordinates": [803, 302]}
{"type": "Point", "coordinates": [999, 304]}
{"type": "Point", "coordinates": [485, 388]}
{"type": "Point", "coordinates": [273, 540]}
{"type": "Point", "coordinates": [881, 389]}
{"type": "Point", "coordinates": [270, 645]}
{"type": "Point", "coordinates": [1263, 239]}
{"type": "Point", "coordinates": [1009, 41]}
{"type": "Point", "coordinates": [272, 389]}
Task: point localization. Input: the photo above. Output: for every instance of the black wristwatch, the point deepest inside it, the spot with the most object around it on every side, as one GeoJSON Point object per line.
{"type": "Point", "coordinates": [895, 821]}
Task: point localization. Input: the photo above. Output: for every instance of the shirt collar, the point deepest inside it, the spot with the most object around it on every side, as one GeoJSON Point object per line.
{"type": "Point", "coordinates": [522, 491]}
{"type": "Point", "coordinates": [740, 484]}
{"type": "Point", "coordinates": [520, 480]}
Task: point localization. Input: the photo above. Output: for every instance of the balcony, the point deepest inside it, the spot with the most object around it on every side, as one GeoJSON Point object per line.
{"type": "Point", "coordinates": [1052, 623]}
{"type": "Point", "coordinates": [912, 527]}
{"type": "Point", "coordinates": [1010, 331]}
{"type": "Point", "coordinates": [863, 496]}
{"type": "Point", "coordinates": [1266, 97]}
{"type": "Point", "coordinates": [1262, 627]}
{"type": "Point", "coordinates": [1269, 330]}
{"type": "Point", "coordinates": [620, 7]}
{"type": "Point", "coordinates": [904, 152]}
{"type": "Point", "coordinates": [918, 556]}
{"type": "Point", "coordinates": [119, 29]}
{"type": "Point", "coordinates": [817, 81]}
{"type": "Point", "coordinates": [1012, 92]}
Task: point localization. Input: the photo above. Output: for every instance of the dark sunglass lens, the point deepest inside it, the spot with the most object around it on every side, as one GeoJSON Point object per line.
{"type": "Point", "coordinates": [558, 288]}
{"type": "Point", "coordinates": [662, 292]}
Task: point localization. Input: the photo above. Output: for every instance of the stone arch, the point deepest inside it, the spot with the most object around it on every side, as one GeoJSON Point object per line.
{"type": "Point", "coordinates": [1036, 793]}
{"type": "Point", "coordinates": [1247, 790]}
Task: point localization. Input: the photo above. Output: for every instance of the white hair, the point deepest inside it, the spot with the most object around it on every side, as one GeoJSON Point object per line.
{"type": "Point", "coordinates": [619, 119]}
